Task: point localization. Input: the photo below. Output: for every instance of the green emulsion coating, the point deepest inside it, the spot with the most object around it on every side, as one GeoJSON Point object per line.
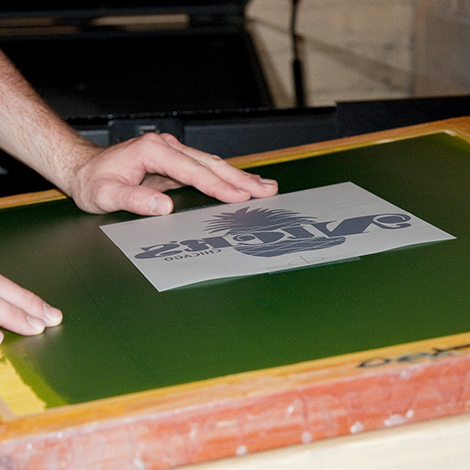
{"type": "Point", "coordinates": [120, 335]}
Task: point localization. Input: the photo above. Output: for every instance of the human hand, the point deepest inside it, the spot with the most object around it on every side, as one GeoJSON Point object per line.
{"type": "Point", "coordinates": [129, 176]}
{"type": "Point", "coordinates": [133, 175]}
{"type": "Point", "coordinates": [23, 312]}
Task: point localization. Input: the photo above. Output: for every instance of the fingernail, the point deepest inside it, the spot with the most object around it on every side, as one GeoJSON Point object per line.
{"type": "Point", "coordinates": [267, 182]}
{"type": "Point", "coordinates": [36, 323]}
{"type": "Point", "coordinates": [160, 206]}
{"type": "Point", "coordinates": [54, 315]}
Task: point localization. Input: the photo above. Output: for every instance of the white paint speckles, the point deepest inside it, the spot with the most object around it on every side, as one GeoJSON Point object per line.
{"type": "Point", "coordinates": [138, 464]}
{"type": "Point", "coordinates": [395, 419]}
{"type": "Point", "coordinates": [241, 450]}
{"type": "Point", "coordinates": [306, 437]}
{"type": "Point", "coordinates": [410, 414]}
{"type": "Point", "coordinates": [291, 409]}
{"type": "Point", "coordinates": [227, 424]}
{"type": "Point", "coordinates": [405, 374]}
{"type": "Point", "coordinates": [357, 427]}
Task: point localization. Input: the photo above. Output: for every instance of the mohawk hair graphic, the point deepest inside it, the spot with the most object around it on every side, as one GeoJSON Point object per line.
{"type": "Point", "coordinates": [257, 220]}
{"type": "Point", "coordinates": [261, 225]}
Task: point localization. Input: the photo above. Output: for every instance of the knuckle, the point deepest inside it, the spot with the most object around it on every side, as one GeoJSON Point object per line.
{"type": "Point", "coordinates": [169, 137]}
{"type": "Point", "coordinates": [152, 138]}
{"type": "Point", "coordinates": [133, 201]}
{"type": "Point", "coordinates": [32, 299]}
{"type": "Point", "coordinates": [215, 159]}
{"type": "Point", "coordinates": [34, 305]}
{"type": "Point", "coordinates": [211, 162]}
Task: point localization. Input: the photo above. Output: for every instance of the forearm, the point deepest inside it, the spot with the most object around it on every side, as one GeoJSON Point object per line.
{"type": "Point", "coordinates": [129, 176]}
{"type": "Point", "coordinates": [31, 132]}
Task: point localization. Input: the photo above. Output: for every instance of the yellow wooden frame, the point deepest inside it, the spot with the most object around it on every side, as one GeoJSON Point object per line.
{"type": "Point", "coordinates": [253, 411]}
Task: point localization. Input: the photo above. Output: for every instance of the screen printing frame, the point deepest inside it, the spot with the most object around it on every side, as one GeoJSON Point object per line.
{"type": "Point", "coordinates": [253, 411]}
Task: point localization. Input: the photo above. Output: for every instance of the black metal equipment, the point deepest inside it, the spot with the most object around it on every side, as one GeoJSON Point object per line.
{"type": "Point", "coordinates": [196, 76]}
{"type": "Point", "coordinates": [196, 55]}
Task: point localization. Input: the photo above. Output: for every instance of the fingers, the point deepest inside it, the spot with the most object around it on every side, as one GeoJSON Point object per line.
{"type": "Point", "coordinates": [253, 184]}
{"type": "Point", "coordinates": [214, 176]}
{"type": "Point", "coordinates": [23, 312]}
{"type": "Point", "coordinates": [132, 175]}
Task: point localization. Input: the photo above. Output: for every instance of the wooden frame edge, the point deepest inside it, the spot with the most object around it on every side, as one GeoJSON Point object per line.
{"type": "Point", "coordinates": [457, 126]}
{"type": "Point", "coordinates": [435, 444]}
{"type": "Point", "coordinates": [31, 198]}
{"type": "Point", "coordinates": [258, 410]}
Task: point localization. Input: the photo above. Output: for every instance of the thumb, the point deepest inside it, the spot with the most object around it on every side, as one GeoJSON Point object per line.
{"type": "Point", "coordinates": [138, 200]}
